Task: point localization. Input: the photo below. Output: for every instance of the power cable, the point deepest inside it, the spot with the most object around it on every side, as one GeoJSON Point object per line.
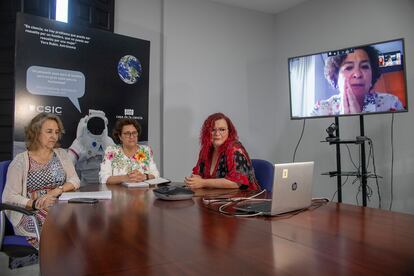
{"type": "Point", "coordinates": [392, 160]}
{"type": "Point", "coordinates": [301, 135]}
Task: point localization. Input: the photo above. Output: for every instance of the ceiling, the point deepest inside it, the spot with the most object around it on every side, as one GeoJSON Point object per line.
{"type": "Point", "coordinates": [267, 6]}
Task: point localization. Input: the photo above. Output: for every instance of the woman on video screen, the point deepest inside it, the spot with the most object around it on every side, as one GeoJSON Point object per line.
{"type": "Point", "coordinates": [354, 75]}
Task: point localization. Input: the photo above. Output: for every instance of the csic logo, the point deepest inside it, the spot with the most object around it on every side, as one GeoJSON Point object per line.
{"type": "Point", "coordinates": [46, 108]}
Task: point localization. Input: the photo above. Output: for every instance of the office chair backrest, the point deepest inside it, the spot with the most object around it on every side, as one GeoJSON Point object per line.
{"type": "Point", "coordinates": [263, 171]}
{"type": "Point", "coordinates": [20, 252]}
{"type": "Point", "coordinates": [4, 165]}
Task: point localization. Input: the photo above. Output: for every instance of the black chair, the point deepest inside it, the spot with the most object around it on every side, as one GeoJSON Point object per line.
{"type": "Point", "coordinates": [264, 170]}
{"type": "Point", "coordinates": [20, 252]}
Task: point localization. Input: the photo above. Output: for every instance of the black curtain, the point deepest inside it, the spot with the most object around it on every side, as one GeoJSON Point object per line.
{"type": "Point", "coordinates": [90, 13]}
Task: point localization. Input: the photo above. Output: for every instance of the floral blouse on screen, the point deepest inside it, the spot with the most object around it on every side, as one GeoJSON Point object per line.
{"type": "Point", "coordinates": [373, 102]}
{"type": "Point", "coordinates": [115, 162]}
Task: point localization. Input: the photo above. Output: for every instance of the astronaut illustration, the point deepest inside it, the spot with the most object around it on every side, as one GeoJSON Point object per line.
{"type": "Point", "coordinates": [88, 149]}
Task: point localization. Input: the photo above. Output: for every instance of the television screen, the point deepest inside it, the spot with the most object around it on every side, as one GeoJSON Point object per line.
{"type": "Point", "coordinates": [365, 79]}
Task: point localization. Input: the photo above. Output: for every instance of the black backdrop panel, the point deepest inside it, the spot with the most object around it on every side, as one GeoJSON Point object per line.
{"type": "Point", "coordinates": [67, 70]}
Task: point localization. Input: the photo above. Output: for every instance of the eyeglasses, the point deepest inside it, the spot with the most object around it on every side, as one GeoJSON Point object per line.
{"type": "Point", "coordinates": [130, 134]}
{"type": "Point", "coordinates": [220, 130]}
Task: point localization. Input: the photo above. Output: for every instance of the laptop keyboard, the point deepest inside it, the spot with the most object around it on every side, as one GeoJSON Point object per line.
{"type": "Point", "coordinates": [264, 207]}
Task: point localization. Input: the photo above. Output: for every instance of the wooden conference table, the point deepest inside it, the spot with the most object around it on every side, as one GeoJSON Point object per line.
{"type": "Point", "coordinates": [134, 233]}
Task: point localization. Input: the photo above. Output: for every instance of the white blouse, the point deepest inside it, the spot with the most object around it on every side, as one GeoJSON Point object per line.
{"type": "Point", "coordinates": [115, 162]}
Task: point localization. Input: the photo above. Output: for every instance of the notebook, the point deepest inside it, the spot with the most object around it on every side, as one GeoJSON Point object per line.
{"type": "Point", "coordinates": [146, 183]}
{"type": "Point", "coordinates": [292, 190]}
{"type": "Point", "coordinates": [96, 194]}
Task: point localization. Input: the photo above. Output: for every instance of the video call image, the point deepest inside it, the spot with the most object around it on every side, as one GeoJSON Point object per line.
{"type": "Point", "coordinates": [389, 59]}
{"type": "Point", "coordinates": [351, 81]}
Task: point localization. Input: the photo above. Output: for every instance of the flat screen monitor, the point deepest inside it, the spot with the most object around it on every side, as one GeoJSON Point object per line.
{"type": "Point", "coordinates": [365, 79]}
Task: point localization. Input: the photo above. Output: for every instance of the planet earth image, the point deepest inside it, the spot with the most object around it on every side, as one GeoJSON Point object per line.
{"type": "Point", "coordinates": [129, 69]}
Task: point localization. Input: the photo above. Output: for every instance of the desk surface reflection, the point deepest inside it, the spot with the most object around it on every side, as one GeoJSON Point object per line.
{"type": "Point", "coordinates": [136, 233]}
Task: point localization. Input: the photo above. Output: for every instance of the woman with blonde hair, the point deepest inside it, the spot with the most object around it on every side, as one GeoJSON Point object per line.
{"type": "Point", "coordinates": [39, 175]}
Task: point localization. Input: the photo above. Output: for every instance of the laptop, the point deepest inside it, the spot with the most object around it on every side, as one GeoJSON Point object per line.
{"type": "Point", "coordinates": [292, 190]}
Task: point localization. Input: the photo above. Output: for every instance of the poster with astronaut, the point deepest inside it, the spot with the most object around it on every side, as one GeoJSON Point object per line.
{"type": "Point", "coordinates": [88, 77]}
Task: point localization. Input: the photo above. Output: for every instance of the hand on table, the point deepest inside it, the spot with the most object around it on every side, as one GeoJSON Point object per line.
{"type": "Point", "coordinates": [194, 181]}
{"type": "Point", "coordinates": [136, 176]}
{"type": "Point", "coordinates": [46, 201]}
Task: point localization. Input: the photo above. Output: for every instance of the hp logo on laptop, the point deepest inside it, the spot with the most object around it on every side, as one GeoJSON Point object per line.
{"type": "Point", "coordinates": [294, 186]}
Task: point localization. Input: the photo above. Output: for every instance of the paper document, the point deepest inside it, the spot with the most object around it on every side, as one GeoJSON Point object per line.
{"type": "Point", "coordinates": [146, 183]}
{"type": "Point", "coordinates": [97, 195]}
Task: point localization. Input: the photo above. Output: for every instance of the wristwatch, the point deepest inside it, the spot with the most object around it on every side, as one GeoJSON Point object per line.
{"type": "Point", "coordinates": [34, 204]}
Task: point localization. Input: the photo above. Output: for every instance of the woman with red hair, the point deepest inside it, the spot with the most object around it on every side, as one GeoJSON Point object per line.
{"type": "Point", "coordinates": [223, 162]}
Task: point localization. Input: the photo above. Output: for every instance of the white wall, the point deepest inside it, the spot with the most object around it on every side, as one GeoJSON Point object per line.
{"type": "Point", "coordinates": [217, 58]}
{"type": "Point", "coordinates": [220, 58]}
{"type": "Point", "coordinates": [319, 25]}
